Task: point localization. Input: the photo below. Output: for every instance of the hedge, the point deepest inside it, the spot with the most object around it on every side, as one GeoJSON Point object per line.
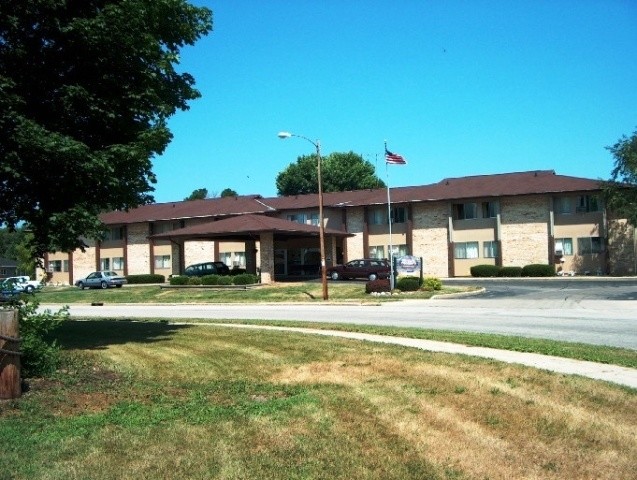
{"type": "Point", "coordinates": [145, 278]}
{"type": "Point", "coordinates": [538, 270]}
{"type": "Point", "coordinates": [245, 279]}
{"type": "Point", "coordinates": [484, 270]}
{"type": "Point", "coordinates": [178, 280]}
{"type": "Point", "coordinates": [408, 284]}
{"type": "Point", "coordinates": [510, 272]}
{"type": "Point", "coordinates": [212, 279]}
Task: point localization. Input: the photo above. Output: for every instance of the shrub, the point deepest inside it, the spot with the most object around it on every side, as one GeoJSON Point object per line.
{"type": "Point", "coordinates": [237, 271]}
{"type": "Point", "coordinates": [432, 283]}
{"type": "Point", "coordinates": [538, 270]}
{"type": "Point", "coordinates": [408, 284]}
{"type": "Point", "coordinates": [377, 286]}
{"type": "Point", "coordinates": [484, 271]}
{"type": "Point", "coordinates": [225, 280]}
{"type": "Point", "coordinates": [40, 354]}
{"type": "Point", "coordinates": [510, 272]}
{"type": "Point", "coordinates": [145, 278]}
{"type": "Point", "coordinates": [179, 280]}
{"type": "Point", "coordinates": [210, 279]}
{"type": "Point", "coordinates": [194, 281]}
{"type": "Point", "coordinates": [244, 279]}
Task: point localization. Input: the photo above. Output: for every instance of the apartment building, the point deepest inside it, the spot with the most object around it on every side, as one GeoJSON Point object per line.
{"type": "Point", "coordinates": [510, 219]}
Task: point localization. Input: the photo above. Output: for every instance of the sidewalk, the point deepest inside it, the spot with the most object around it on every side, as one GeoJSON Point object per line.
{"type": "Point", "coordinates": [598, 371]}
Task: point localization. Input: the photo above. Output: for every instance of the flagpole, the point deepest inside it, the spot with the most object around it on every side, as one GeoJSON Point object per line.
{"type": "Point", "coordinates": [391, 246]}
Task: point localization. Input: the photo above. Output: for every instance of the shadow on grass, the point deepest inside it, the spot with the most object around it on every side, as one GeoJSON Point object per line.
{"type": "Point", "coordinates": [98, 334]}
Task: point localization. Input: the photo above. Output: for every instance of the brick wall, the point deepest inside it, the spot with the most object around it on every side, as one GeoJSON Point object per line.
{"type": "Point", "coordinates": [138, 249]}
{"type": "Point", "coordinates": [524, 230]}
{"type": "Point", "coordinates": [430, 237]}
{"type": "Point", "coordinates": [355, 220]}
{"type": "Point", "coordinates": [199, 251]}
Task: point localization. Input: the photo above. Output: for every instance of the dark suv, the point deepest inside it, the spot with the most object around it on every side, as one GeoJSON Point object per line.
{"type": "Point", "coordinates": [369, 268]}
{"type": "Point", "coordinates": [207, 268]}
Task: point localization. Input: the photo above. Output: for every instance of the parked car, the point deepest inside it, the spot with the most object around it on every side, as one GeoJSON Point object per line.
{"type": "Point", "coordinates": [25, 283]}
{"type": "Point", "coordinates": [369, 268]}
{"type": "Point", "coordinates": [101, 279]}
{"type": "Point", "coordinates": [207, 268]}
{"type": "Point", "coordinates": [9, 288]}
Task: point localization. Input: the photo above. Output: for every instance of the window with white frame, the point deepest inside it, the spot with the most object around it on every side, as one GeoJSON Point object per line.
{"type": "Point", "coordinates": [377, 251]}
{"type": "Point", "coordinates": [398, 250]}
{"type": "Point", "coordinates": [377, 216]}
{"type": "Point", "coordinates": [562, 205]}
{"type": "Point", "coordinates": [162, 261]}
{"type": "Point", "coordinates": [239, 260]}
{"type": "Point", "coordinates": [490, 249]}
{"type": "Point", "coordinates": [587, 203]}
{"type": "Point", "coordinates": [490, 209]}
{"type": "Point", "coordinates": [465, 211]}
{"type": "Point", "coordinates": [464, 250]}
{"type": "Point", "coordinates": [118, 263]}
{"type": "Point", "coordinates": [589, 245]}
{"type": "Point", "coordinates": [398, 214]}
{"type": "Point", "coordinates": [226, 257]}
{"type": "Point", "coordinates": [564, 246]}
{"type": "Point", "coordinates": [105, 263]}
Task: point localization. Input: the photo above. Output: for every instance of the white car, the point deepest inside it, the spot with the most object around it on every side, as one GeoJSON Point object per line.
{"type": "Point", "coordinates": [25, 283]}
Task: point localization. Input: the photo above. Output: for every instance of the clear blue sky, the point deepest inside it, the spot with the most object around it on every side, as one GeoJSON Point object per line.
{"type": "Point", "coordinates": [457, 87]}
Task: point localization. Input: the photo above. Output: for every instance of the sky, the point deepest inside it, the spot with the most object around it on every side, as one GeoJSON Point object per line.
{"type": "Point", "coordinates": [458, 88]}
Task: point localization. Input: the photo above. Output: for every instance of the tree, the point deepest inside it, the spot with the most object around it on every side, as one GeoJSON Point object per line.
{"type": "Point", "coordinates": [199, 194]}
{"type": "Point", "coordinates": [86, 89]}
{"type": "Point", "coordinates": [621, 191]}
{"type": "Point", "coordinates": [340, 172]}
{"type": "Point", "coordinates": [228, 192]}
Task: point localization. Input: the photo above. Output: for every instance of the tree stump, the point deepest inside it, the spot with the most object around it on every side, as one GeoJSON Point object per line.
{"type": "Point", "coordinates": [10, 386]}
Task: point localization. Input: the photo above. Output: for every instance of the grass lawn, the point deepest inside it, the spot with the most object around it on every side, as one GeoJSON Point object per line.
{"type": "Point", "coordinates": [153, 400]}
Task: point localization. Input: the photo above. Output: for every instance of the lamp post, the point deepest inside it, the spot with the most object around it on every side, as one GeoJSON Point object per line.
{"type": "Point", "coordinates": [317, 145]}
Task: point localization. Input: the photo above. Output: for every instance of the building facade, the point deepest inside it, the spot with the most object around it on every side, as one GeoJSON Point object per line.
{"type": "Point", "coordinates": [512, 219]}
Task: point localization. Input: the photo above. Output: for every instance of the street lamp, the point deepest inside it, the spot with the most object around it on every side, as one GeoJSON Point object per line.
{"type": "Point", "coordinates": [316, 144]}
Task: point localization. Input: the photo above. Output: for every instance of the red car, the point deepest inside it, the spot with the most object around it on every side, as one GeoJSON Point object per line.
{"type": "Point", "coordinates": [369, 268]}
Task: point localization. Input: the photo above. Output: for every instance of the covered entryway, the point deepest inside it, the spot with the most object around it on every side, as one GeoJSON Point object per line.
{"type": "Point", "coordinates": [271, 243]}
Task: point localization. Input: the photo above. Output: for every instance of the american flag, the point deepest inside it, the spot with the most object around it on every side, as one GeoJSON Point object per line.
{"type": "Point", "coordinates": [394, 158]}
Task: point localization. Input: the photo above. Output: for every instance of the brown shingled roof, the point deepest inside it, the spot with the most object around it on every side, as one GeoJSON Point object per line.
{"type": "Point", "coordinates": [246, 226]}
{"type": "Point", "coordinates": [210, 207]}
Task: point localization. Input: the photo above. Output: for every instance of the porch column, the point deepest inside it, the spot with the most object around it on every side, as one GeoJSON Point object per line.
{"type": "Point", "coordinates": [266, 255]}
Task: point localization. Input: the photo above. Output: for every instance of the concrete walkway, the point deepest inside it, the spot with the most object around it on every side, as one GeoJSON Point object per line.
{"type": "Point", "coordinates": [598, 371]}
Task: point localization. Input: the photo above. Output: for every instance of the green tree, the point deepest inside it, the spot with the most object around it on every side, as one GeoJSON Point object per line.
{"type": "Point", "coordinates": [86, 88]}
{"type": "Point", "coordinates": [228, 192]}
{"type": "Point", "coordinates": [621, 191]}
{"type": "Point", "coordinates": [198, 194]}
{"type": "Point", "coordinates": [340, 172]}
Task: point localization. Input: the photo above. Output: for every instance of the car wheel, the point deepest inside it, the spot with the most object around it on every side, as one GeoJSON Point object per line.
{"type": "Point", "coordinates": [104, 285]}
{"type": "Point", "coordinates": [80, 285]}
{"type": "Point", "coordinates": [372, 277]}
{"type": "Point", "coordinates": [118, 286]}
{"type": "Point", "coordinates": [29, 289]}
{"type": "Point", "coordinates": [334, 276]}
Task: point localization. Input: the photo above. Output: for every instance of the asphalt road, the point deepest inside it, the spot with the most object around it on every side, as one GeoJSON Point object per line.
{"type": "Point", "coordinates": [591, 311]}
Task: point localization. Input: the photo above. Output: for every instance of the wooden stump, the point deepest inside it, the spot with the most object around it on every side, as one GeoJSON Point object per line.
{"type": "Point", "coordinates": [9, 355]}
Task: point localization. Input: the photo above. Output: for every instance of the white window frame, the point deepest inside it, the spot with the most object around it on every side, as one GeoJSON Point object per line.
{"type": "Point", "coordinates": [490, 249]}
{"type": "Point", "coordinates": [162, 262]}
{"type": "Point", "coordinates": [377, 251]}
{"type": "Point", "coordinates": [564, 246]}
{"type": "Point", "coordinates": [466, 250]}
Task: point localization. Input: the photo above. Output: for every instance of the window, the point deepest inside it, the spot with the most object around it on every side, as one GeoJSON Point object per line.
{"type": "Point", "coordinates": [115, 233]}
{"type": "Point", "coordinates": [377, 216]}
{"type": "Point", "coordinates": [398, 250]}
{"type": "Point", "coordinates": [587, 203]}
{"type": "Point", "coordinates": [239, 260]}
{"type": "Point", "coordinates": [55, 265]}
{"type": "Point", "coordinates": [162, 261]}
{"type": "Point", "coordinates": [297, 217]}
{"type": "Point", "coordinates": [313, 219]}
{"type": "Point", "coordinates": [377, 251]}
{"type": "Point", "coordinates": [589, 245]}
{"type": "Point", "coordinates": [65, 265]}
{"type": "Point", "coordinates": [466, 250]}
{"type": "Point", "coordinates": [398, 215]}
{"type": "Point", "coordinates": [562, 205]}
{"type": "Point", "coordinates": [563, 246]}
{"type": "Point", "coordinates": [465, 211]}
{"type": "Point", "coordinates": [489, 209]}
{"type": "Point", "coordinates": [118, 263]}
{"type": "Point", "coordinates": [226, 257]}
{"type": "Point", "coordinates": [490, 249]}
{"type": "Point", "coordinates": [105, 263]}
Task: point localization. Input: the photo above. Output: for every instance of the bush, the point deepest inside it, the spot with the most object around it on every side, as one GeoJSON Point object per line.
{"type": "Point", "coordinates": [510, 272]}
{"type": "Point", "coordinates": [146, 278]}
{"type": "Point", "coordinates": [245, 279]}
{"type": "Point", "coordinates": [194, 281]}
{"type": "Point", "coordinates": [40, 354]}
{"type": "Point", "coordinates": [179, 280]}
{"type": "Point", "coordinates": [538, 270]}
{"type": "Point", "coordinates": [377, 286]}
{"type": "Point", "coordinates": [237, 271]}
{"type": "Point", "coordinates": [432, 283]}
{"type": "Point", "coordinates": [212, 279]}
{"type": "Point", "coordinates": [484, 271]}
{"type": "Point", "coordinates": [225, 280]}
{"type": "Point", "coordinates": [408, 284]}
